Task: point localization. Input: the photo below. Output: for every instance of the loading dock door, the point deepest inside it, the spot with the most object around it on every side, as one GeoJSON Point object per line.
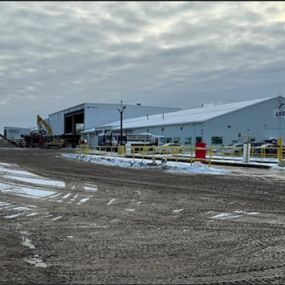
{"type": "Point", "coordinates": [73, 120]}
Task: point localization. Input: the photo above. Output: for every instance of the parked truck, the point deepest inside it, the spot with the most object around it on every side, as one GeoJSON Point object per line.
{"type": "Point", "coordinates": [112, 138]}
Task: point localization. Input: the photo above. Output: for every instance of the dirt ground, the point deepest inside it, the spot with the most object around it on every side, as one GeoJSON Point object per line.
{"type": "Point", "coordinates": [141, 226]}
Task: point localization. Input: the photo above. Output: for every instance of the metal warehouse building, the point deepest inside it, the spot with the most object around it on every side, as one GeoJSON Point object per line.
{"type": "Point", "coordinates": [15, 133]}
{"type": "Point", "coordinates": [255, 120]}
{"type": "Point", "coordinates": [87, 116]}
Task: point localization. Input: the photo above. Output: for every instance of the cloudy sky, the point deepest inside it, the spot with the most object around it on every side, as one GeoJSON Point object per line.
{"type": "Point", "coordinates": [56, 55]}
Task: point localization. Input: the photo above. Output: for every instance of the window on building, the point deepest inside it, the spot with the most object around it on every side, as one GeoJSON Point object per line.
{"type": "Point", "coordinates": [217, 140]}
{"type": "Point", "coordinates": [199, 139]}
{"type": "Point", "coordinates": [188, 140]}
{"type": "Point", "coordinates": [168, 140]}
{"type": "Point", "coordinates": [176, 140]}
{"type": "Point", "coordinates": [14, 131]}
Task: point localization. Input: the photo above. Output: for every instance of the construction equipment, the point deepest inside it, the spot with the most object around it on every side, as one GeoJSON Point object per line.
{"type": "Point", "coordinates": [43, 126]}
{"type": "Point", "coordinates": [50, 141]}
{"type": "Point", "coordinates": [43, 137]}
{"type": "Point", "coordinates": [5, 142]}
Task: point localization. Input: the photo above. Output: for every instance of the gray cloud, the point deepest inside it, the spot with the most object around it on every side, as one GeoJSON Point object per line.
{"type": "Point", "coordinates": [57, 54]}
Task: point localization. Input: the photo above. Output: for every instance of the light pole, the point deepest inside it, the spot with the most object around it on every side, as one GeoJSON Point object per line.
{"type": "Point", "coordinates": [121, 110]}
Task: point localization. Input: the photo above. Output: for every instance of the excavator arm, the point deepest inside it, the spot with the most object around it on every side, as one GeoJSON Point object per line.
{"type": "Point", "coordinates": [52, 142]}
{"type": "Point", "coordinates": [43, 125]}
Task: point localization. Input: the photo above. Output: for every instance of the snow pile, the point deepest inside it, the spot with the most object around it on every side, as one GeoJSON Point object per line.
{"type": "Point", "coordinates": [277, 167]}
{"type": "Point", "coordinates": [174, 167]}
{"type": "Point", "coordinates": [196, 167]}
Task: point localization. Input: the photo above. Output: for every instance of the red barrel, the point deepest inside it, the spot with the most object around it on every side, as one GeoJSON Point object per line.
{"type": "Point", "coordinates": [200, 151]}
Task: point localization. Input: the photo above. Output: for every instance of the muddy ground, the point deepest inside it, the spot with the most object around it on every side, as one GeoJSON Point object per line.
{"type": "Point", "coordinates": [141, 226]}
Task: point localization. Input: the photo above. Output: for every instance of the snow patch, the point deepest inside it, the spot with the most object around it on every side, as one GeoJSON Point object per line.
{"type": "Point", "coordinates": [233, 215]}
{"type": "Point", "coordinates": [83, 200]}
{"type": "Point", "coordinates": [53, 196]}
{"type": "Point", "coordinates": [4, 204]}
{"type": "Point", "coordinates": [36, 261]}
{"type": "Point", "coordinates": [56, 218]}
{"type": "Point", "coordinates": [38, 181]}
{"type": "Point", "coordinates": [5, 164]}
{"type": "Point", "coordinates": [111, 201]}
{"type": "Point", "coordinates": [32, 214]}
{"type": "Point", "coordinates": [66, 196]}
{"type": "Point", "coordinates": [20, 209]}
{"type": "Point", "coordinates": [16, 172]}
{"type": "Point", "coordinates": [277, 167]}
{"type": "Point", "coordinates": [13, 216]}
{"type": "Point", "coordinates": [225, 216]}
{"type": "Point", "coordinates": [91, 188]}
{"type": "Point", "coordinates": [25, 191]}
{"type": "Point", "coordinates": [178, 210]}
{"type": "Point", "coordinates": [27, 242]}
{"type": "Point", "coordinates": [74, 197]}
{"type": "Point", "coordinates": [175, 167]}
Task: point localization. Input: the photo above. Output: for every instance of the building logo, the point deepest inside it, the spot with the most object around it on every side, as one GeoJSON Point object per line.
{"type": "Point", "coordinates": [280, 112]}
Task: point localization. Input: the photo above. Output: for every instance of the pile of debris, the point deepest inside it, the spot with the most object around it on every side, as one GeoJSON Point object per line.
{"type": "Point", "coordinates": [4, 143]}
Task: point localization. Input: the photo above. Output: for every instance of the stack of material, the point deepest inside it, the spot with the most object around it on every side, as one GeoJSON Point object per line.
{"type": "Point", "coordinates": [6, 144]}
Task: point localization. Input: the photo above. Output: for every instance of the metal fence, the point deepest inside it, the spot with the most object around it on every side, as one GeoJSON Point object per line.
{"type": "Point", "coordinates": [189, 153]}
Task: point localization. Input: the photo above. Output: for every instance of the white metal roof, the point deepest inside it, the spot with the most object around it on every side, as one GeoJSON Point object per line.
{"type": "Point", "coordinates": [92, 130]}
{"type": "Point", "coordinates": [185, 116]}
{"type": "Point", "coordinates": [113, 105]}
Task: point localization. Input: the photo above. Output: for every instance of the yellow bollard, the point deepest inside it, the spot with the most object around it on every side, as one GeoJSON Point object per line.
{"type": "Point", "coordinates": [176, 153]}
{"type": "Point", "coordinates": [121, 150]}
{"type": "Point", "coordinates": [210, 156]}
{"type": "Point", "coordinates": [191, 155]}
{"type": "Point", "coordinates": [280, 151]}
{"type": "Point", "coordinates": [263, 152]}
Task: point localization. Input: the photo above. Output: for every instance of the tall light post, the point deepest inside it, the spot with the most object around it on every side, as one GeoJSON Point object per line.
{"type": "Point", "coordinates": [121, 110]}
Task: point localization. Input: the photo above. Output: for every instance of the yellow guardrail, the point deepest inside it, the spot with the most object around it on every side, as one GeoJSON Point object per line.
{"type": "Point", "coordinates": [179, 153]}
{"type": "Point", "coordinates": [83, 149]}
{"type": "Point", "coordinates": [107, 150]}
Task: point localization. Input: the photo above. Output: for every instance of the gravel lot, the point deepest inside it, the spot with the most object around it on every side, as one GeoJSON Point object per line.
{"type": "Point", "coordinates": [113, 225]}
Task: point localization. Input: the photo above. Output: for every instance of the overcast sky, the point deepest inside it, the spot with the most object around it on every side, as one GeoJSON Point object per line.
{"type": "Point", "coordinates": [57, 55]}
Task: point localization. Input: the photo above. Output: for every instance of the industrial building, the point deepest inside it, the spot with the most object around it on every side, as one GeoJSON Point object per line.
{"type": "Point", "coordinates": [88, 116]}
{"type": "Point", "coordinates": [15, 133]}
{"type": "Point", "coordinates": [255, 120]}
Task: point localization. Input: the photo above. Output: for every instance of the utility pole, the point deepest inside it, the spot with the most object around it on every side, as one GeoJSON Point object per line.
{"type": "Point", "coordinates": [121, 110]}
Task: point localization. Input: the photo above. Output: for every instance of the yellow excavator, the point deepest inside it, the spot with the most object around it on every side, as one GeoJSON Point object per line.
{"type": "Point", "coordinates": [44, 127]}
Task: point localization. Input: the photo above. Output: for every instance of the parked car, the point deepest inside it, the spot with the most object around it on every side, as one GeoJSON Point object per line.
{"type": "Point", "coordinates": [169, 148]}
{"type": "Point", "coordinates": [256, 144]}
{"type": "Point", "coordinates": [267, 148]}
{"type": "Point", "coordinates": [237, 148]}
{"type": "Point", "coordinates": [232, 149]}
